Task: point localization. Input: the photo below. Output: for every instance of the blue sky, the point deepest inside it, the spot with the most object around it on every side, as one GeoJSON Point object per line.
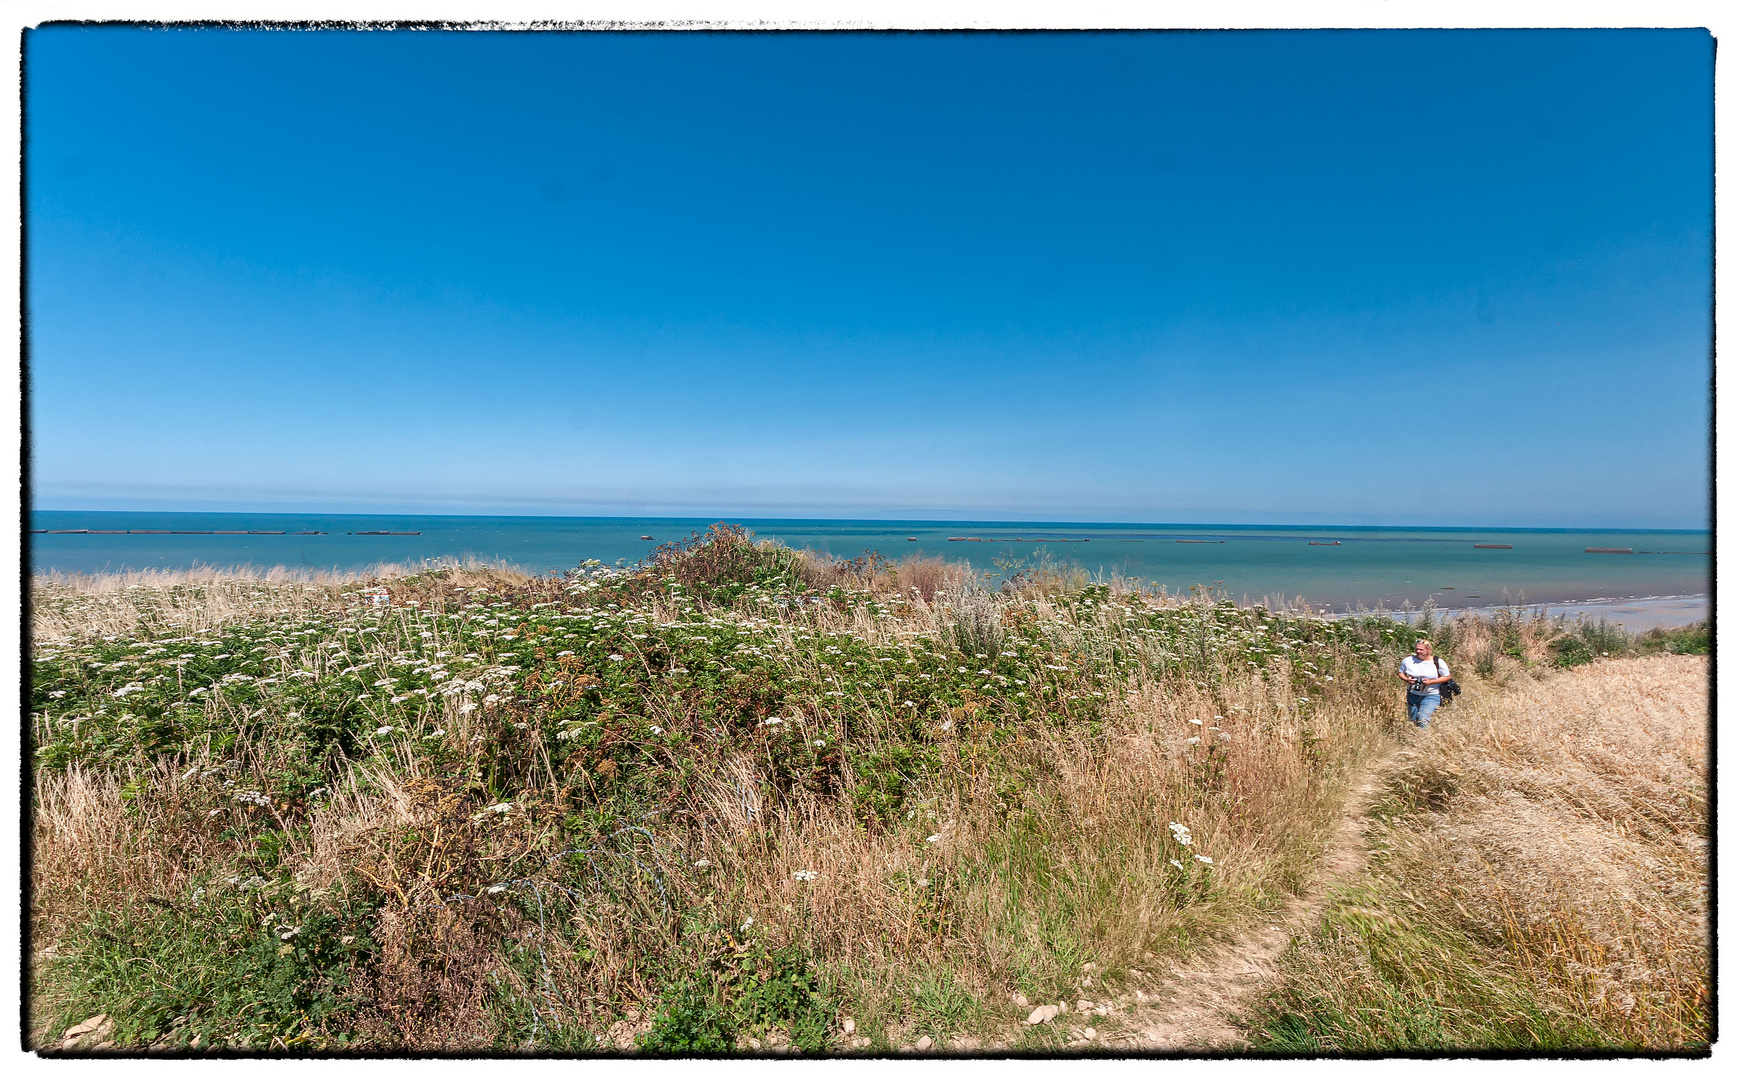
{"type": "Point", "coordinates": [1442, 277]}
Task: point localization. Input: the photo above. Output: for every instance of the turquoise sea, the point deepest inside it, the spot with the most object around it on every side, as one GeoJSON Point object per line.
{"type": "Point", "coordinates": [1339, 567]}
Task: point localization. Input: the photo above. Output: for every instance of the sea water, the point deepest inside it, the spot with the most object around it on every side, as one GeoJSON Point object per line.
{"type": "Point", "coordinates": [1336, 567]}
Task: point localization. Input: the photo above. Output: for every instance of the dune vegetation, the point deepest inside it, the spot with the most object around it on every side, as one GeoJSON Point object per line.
{"type": "Point", "coordinates": [1540, 879]}
{"type": "Point", "coordinates": [739, 798]}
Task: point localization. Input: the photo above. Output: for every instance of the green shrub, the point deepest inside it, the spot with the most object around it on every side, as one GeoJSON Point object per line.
{"type": "Point", "coordinates": [690, 1021]}
{"type": "Point", "coordinates": [756, 991]}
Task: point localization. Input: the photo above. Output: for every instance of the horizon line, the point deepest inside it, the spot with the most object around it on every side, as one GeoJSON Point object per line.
{"type": "Point", "coordinates": [1003, 522]}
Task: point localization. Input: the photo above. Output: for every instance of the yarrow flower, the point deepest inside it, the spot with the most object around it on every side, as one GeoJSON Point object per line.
{"type": "Point", "coordinates": [933, 838]}
{"type": "Point", "coordinates": [804, 875]}
{"type": "Point", "coordinates": [501, 808]}
{"type": "Point", "coordinates": [1177, 863]}
{"type": "Point", "coordinates": [1181, 833]}
{"type": "Point", "coordinates": [1205, 859]}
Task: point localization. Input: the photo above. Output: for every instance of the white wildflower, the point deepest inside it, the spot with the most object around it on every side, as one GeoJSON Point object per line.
{"type": "Point", "coordinates": [804, 875]}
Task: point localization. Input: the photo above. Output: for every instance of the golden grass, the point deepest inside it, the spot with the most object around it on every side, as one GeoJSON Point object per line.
{"type": "Point", "coordinates": [73, 606]}
{"type": "Point", "coordinates": [1546, 880]}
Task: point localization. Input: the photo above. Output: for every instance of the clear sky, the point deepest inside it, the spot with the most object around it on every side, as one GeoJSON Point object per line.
{"type": "Point", "coordinates": [1439, 277]}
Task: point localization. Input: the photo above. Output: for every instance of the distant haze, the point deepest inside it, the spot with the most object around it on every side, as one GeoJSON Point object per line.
{"type": "Point", "coordinates": [1410, 278]}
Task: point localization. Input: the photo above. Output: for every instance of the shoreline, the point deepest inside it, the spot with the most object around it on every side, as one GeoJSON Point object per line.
{"type": "Point", "coordinates": [1634, 614]}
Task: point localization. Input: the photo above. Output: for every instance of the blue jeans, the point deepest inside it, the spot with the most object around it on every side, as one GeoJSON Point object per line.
{"type": "Point", "coordinates": [1422, 707]}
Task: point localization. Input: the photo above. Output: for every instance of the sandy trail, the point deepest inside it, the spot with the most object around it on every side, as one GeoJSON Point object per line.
{"type": "Point", "coordinates": [1193, 1009]}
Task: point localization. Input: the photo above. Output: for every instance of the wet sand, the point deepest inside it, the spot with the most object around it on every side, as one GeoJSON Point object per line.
{"type": "Point", "coordinates": [1642, 613]}
{"type": "Point", "coordinates": [1634, 614]}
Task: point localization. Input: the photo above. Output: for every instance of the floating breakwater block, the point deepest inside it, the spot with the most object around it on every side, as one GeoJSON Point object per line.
{"type": "Point", "coordinates": [69, 530]}
{"type": "Point", "coordinates": [1495, 547]}
{"type": "Point", "coordinates": [1607, 551]}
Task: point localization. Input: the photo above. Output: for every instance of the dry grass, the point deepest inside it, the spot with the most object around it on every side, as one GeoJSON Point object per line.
{"type": "Point", "coordinates": [73, 606]}
{"type": "Point", "coordinates": [1545, 881]}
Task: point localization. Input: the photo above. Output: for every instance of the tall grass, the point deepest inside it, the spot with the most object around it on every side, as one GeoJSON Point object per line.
{"type": "Point", "coordinates": [73, 606]}
{"type": "Point", "coordinates": [1541, 882]}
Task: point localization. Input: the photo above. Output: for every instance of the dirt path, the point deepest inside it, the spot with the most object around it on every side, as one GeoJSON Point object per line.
{"type": "Point", "coordinates": [1194, 1009]}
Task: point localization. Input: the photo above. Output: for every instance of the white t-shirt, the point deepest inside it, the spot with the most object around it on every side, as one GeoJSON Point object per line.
{"type": "Point", "coordinates": [1425, 669]}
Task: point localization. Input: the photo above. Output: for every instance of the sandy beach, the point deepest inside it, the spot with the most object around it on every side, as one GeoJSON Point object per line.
{"type": "Point", "coordinates": [1634, 614]}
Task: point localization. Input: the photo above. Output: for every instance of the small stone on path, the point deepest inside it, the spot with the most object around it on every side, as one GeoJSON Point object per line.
{"type": "Point", "coordinates": [1043, 1014]}
{"type": "Point", "coordinates": [1020, 999]}
{"type": "Point", "coordinates": [924, 1043]}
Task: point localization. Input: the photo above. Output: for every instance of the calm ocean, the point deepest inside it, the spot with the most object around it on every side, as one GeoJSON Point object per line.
{"type": "Point", "coordinates": [1339, 567]}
